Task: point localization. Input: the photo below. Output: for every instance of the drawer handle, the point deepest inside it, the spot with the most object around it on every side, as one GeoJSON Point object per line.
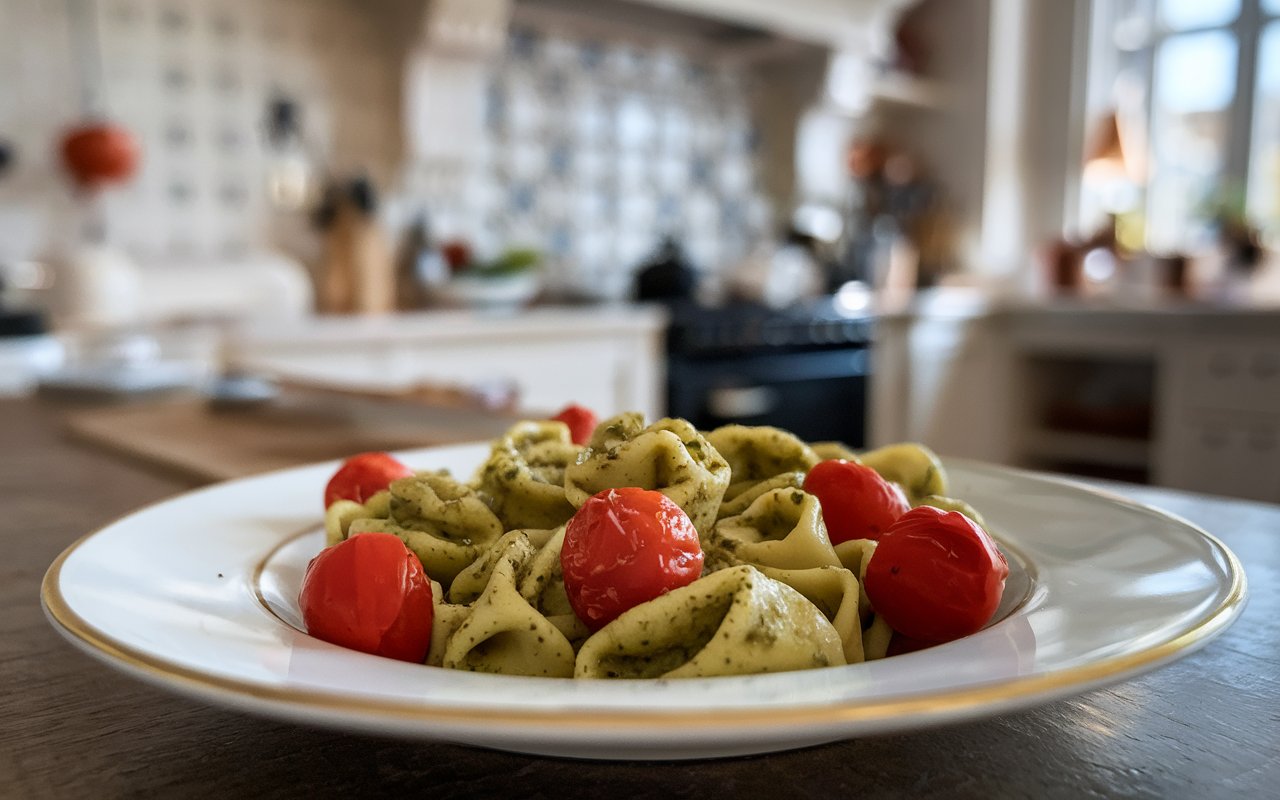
{"type": "Point", "coordinates": [747, 401]}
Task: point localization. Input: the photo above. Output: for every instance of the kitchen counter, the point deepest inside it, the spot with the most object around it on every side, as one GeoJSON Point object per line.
{"type": "Point", "coordinates": [446, 325]}
{"type": "Point", "coordinates": [970, 303]}
{"type": "Point", "coordinates": [609, 358]}
{"type": "Point", "coordinates": [997, 380]}
{"type": "Point", "coordinates": [1205, 726]}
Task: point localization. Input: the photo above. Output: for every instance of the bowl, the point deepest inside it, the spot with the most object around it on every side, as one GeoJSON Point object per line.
{"type": "Point", "coordinates": [490, 292]}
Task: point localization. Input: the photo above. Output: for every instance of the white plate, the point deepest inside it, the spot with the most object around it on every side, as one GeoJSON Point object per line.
{"type": "Point", "coordinates": [182, 594]}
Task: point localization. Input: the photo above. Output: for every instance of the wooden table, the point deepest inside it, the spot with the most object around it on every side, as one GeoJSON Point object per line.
{"type": "Point", "coordinates": [1207, 726]}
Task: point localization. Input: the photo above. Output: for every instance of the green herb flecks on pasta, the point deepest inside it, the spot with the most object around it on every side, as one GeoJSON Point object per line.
{"type": "Point", "coordinates": [340, 514]}
{"type": "Point", "coordinates": [741, 502]}
{"type": "Point", "coordinates": [445, 523]}
{"type": "Point", "coordinates": [914, 467]}
{"type": "Point", "coordinates": [733, 622]}
{"type": "Point", "coordinates": [834, 591]}
{"type": "Point", "coordinates": [503, 633]}
{"type": "Point", "coordinates": [523, 478]}
{"type": "Point", "coordinates": [669, 456]}
{"type": "Point", "coordinates": [783, 528]}
{"type": "Point", "coordinates": [758, 453]}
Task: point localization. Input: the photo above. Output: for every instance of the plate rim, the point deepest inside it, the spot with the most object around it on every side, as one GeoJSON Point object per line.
{"type": "Point", "coordinates": [893, 713]}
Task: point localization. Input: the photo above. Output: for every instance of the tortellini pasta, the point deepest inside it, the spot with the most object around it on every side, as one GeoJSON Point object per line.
{"type": "Point", "coordinates": [733, 622]}
{"type": "Point", "coordinates": [918, 471]}
{"type": "Point", "coordinates": [854, 555]}
{"type": "Point", "coordinates": [775, 594]}
{"type": "Point", "coordinates": [741, 501]}
{"type": "Point", "coordinates": [783, 528]}
{"type": "Point", "coordinates": [670, 456]}
{"type": "Point", "coordinates": [339, 516]}
{"type": "Point", "coordinates": [827, 451]}
{"type": "Point", "coordinates": [446, 617]}
{"type": "Point", "coordinates": [503, 633]}
{"type": "Point", "coordinates": [914, 467]}
{"type": "Point", "coordinates": [876, 639]}
{"type": "Point", "coordinates": [615, 431]}
{"type": "Point", "coordinates": [523, 479]}
{"type": "Point", "coordinates": [445, 523]}
{"type": "Point", "coordinates": [835, 592]}
{"type": "Point", "coordinates": [953, 504]}
{"type": "Point", "coordinates": [759, 453]}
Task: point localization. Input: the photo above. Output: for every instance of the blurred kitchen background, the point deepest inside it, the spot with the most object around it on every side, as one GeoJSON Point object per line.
{"type": "Point", "coordinates": [238, 234]}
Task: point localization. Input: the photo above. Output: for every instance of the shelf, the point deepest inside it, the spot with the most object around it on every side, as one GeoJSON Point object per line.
{"type": "Point", "coordinates": [1111, 451]}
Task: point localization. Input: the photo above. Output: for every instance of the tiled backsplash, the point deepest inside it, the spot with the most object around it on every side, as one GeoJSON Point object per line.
{"type": "Point", "coordinates": [592, 149]}
{"type": "Point", "coordinates": [597, 150]}
{"type": "Point", "coordinates": [191, 79]}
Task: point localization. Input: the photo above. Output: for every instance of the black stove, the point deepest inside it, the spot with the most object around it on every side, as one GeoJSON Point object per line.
{"type": "Point", "coordinates": [804, 368]}
{"type": "Point", "coordinates": [750, 329]}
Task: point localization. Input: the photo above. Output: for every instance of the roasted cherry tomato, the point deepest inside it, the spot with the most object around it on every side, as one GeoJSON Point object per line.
{"type": "Point", "coordinates": [361, 477]}
{"type": "Point", "coordinates": [581, 422]}
{"type": "Point", "coordinates": [623, 548]}
{"type": "Point", "coordinates": [856, 502]}
{"type": "Point", "coordinates": [369, 593]}
{"type": "Point", "coordinates": [936, 575]}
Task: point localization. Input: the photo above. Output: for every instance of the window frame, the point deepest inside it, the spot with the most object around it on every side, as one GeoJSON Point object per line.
{"type": "Point", "coordinates": [1104, 59]}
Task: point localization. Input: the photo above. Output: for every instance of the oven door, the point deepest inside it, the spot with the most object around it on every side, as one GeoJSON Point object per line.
{"type": "Point", "coordinates": [818, 395]}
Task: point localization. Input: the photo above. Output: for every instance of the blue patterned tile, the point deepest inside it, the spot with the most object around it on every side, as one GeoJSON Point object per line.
{"type": "Point", "coordinates": [560, 159]}
{"type": "Point", "coordinates": [624, 143]}
{"type": "Point", "coordinates": [555, 84]}
{"type": "Point", "coordinates": [522, 44]}
{"type": "Point", "coordinates": [700, 170]}
{"type": "Point", "coordinates": [522, 198]}
{"type": "Point", "coordinates": [561, 240]}
{"type": "Point", "coordinates": [495, 102]}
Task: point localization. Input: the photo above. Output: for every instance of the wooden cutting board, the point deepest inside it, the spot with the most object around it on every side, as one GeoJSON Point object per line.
{"type": "Point", "coordinates": [188, 436]}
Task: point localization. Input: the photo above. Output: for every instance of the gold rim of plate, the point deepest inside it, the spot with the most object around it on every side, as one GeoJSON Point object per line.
{"type": "Point", "coordinates": [936, 704]}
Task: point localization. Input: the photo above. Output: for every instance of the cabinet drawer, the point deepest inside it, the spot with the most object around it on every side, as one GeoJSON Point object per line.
{"type": "Point", "coordinates": [1233, 457]}
{"type": "Point", "coordinates": [1232, 376]}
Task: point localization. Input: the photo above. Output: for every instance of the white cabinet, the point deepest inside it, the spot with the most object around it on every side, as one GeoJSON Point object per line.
{"type": "Point", "coordinates": [1186, 400]}
{"type": "Point", "coordinates": [934, 380]}
{"type": "Point", "coordinates": [1222, 416]}
{"type": "Point", "coordinates": [610, 359]}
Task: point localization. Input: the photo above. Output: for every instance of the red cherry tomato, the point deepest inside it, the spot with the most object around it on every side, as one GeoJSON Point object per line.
{"type": "Point", "coordinates": [581, 422]}
{"type": "Point", "coordinates": [856, 502]}
{"type": "Point", "coordinates": [623, 548]}
{"type": "Point", "coordinates": [936, 576]}
{"type": "Point", "coordinates": [361, 477]}
{"type": "Point", "coordinates": [369, 593]}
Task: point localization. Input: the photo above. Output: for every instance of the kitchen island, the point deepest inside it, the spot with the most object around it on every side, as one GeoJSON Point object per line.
{"type": "Point", "coordinates": [1205, 726]}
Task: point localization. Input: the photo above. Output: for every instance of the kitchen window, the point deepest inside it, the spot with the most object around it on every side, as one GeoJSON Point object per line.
{"type": "Point", "coordinates": [1194, 86]}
